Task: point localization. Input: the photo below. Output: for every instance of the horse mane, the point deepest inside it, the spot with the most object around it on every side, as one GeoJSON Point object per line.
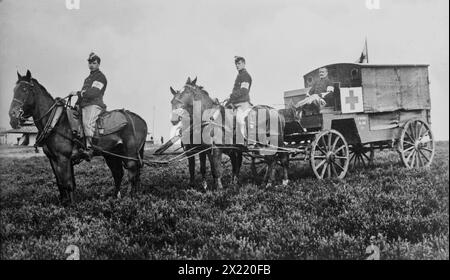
{"type": "Point", "coordinates": [41, 87]}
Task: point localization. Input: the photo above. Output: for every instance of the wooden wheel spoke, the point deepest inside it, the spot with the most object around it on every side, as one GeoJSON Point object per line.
{"type": "Point", "coordinates": [413, 130]}
{"type": "Point", "coordinates": [353, 156]}
{"type": "Point", "coordinates": [335, 143]}
{"type": "Point", "coordinates": [338, 165]}
{"type": "Point", "coordinates": [419, 135]}
{"type": "Point", "coordinates": [410, 148]}
{"type": "Point", "coordinates": [362, 160]}
{"type": "Point", "coordinates": [416, 129]}
{"type": "Point", "coordinates": [409, 136]}
{"type": "Point", "coordinates": [426, 149]}
{"type": "Point", "coordinates": [339, 149]}
{"type": "Point", "coordinates": [324, 143]}
{"type": "Point", "coordinates": [409, 143]}
{"type": "Point", "coordinates": [330, 137]}
{"type": "Point", "coordinates": [320, 157]}
{"type": "Point", "coordinates": [409, 157]}
{"type": "Point", "coordinates": [321, 150]}
{"type": "Point", "coordinates": [368, 159]}
{"type": "Point", "coordinates": [323, 170]}
{"type": "Point", "coordinates": [413, 159]}
{"type": "Point", "coordinates": [334, 170]}
{"type": "Point", "coordinates": [420, 160]}
{"type": "Point", "coordinates": [428, 159]}
{"type": "Point", "coordinates": [320, 164]}
{"type": "Point", "coordinates": [340, 157]}
{"type": "Point", "coordinates": [329, 170]}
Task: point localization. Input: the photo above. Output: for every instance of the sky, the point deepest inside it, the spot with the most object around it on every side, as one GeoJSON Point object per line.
{"type": "Point", "coordinates": [148, 46]}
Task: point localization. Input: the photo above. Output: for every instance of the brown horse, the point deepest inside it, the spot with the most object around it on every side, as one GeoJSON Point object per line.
{"type": "Point", "coordinates": [185, 100]}
{"type": "Point", "coordinates": [182, 104]}
{"type": "Point", "coordinates": [31, 99]}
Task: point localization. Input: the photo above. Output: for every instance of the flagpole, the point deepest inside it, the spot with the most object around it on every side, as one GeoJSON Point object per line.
{"type": "Point", "coordinates": [367, 51]}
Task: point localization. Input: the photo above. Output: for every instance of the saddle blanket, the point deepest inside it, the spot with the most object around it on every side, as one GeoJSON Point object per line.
{"type": "Point", "coordinates": [108, 122]}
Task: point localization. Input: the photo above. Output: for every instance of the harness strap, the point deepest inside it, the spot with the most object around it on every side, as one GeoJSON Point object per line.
{"type": "Point", "coordinates": [55, 114]}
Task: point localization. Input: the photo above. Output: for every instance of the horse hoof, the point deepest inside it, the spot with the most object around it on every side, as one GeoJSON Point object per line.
{"type": "Point", "coordinates": [119, 196]}
{"type": "Point", "coordinates": [204, 185]}
{"type": "Point", "coordinates": [285, 182]}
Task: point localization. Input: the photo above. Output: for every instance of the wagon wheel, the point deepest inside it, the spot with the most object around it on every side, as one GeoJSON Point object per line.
{"type": "Point", "coordinates": [361, 155]}
{"type": "Point", "coordinates": [416, 146]}
{"type": "Point", "coordinates": [329, 156]}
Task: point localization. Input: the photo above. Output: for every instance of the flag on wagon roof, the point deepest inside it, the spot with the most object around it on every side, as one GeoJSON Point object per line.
{"type": "Point", "coordinates": [364, 57]}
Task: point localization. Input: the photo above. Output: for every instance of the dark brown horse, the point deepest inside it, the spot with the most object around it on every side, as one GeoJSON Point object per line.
{"type": "Point", "coordinates": [31, 99]}
{"type": "Point", "coordinates": [184, 100]}
{"type": "Point", "coordinates": [182, 106]}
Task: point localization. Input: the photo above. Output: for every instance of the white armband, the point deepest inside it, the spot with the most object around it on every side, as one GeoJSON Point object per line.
{"type": "Point", "coordinates": [245, 85]}
{"type": "Point", "coordinates": [97, 84]}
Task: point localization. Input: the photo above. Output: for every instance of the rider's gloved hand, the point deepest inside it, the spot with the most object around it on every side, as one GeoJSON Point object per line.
{"type": "Point", "coordinates": [73, 93]}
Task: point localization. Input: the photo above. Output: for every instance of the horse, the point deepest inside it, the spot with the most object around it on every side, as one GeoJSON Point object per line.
{"type": "Point", "coordinates": [122, 149]}
{"type": "Point", "coordinates": [185, 100]}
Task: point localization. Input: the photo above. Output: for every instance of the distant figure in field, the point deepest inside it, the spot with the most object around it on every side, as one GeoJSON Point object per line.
{"type": "Point", "coordinates": [162, 140]}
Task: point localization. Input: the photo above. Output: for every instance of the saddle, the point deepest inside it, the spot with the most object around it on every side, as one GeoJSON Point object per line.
{"type": "Point", "coordinates": [108, 122]}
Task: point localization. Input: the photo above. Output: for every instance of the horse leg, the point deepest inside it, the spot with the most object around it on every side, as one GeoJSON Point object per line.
{"type": "Point", "coordinates": [238, 163]}
{"type": "Point", "coordinates": [212, 165]}
{"type": "Point", "coordinates": [191, 161]}
{"type": "Point", "coordinates": [284, 158]}
{"type": "Point", "coordinates": [202, 157]}
{"type": "Point", "coordinates": [233, 159]}
{"type": "Point", "coordinates": [64, 173]}
{"type": "Point", "coordinates": [217, 159]}
{"type": "Point", "coordinates": [253, 169]}
{"type": "Point", "coordinates": [115, 165]}
{"type": "Point", "coordinates": [134, 169]}
{"type": "Point", "coordinates": [269, 176]}
{"type": "Point", "coordinates": [58, 182]}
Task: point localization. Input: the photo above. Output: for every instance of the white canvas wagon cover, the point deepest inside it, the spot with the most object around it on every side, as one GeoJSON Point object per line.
{"type": "Point", "coordinates": [385, 88]}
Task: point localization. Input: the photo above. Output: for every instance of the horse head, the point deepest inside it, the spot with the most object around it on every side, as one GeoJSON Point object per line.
{"type": "Point", "coordinates": [23, 101]}
{"type": "Point", "coordinates": [183, 101]}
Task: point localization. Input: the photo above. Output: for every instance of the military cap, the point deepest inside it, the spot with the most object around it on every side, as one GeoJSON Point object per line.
{"type": "Point", "coordinates": [93, 57]}
{"type": "Point", "coordinates": [238, 58]}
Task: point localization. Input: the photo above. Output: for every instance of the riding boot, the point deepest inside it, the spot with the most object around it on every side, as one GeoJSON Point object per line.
{"type": "Point", "coordinates": [88, 153]}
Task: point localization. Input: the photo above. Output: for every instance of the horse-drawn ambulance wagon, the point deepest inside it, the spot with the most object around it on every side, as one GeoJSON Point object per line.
{"type": "Point", "coordinates": [375, 107]}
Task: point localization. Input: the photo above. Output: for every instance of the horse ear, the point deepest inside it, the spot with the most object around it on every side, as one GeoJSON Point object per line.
{"type": "Point", "coordinates": [194, 81]}
{"type": "Point", "coordinates": [188, 82]}
{"type": "Point", "coordinates": [28, 76]}
{"type": "Point", "coordinates": [173, 91]}
{"type": "Point", "coordinates": [18, 75]}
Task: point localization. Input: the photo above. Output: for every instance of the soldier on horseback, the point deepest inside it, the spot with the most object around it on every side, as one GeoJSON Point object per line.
{"type": "Point", "coordinates": [239, 98]}
{"type": "Point", "coordinates": [90, 101]}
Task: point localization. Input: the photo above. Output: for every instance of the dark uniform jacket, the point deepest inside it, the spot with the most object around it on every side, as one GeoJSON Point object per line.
{"type": "Point", "coordinates": [241, 88]}
{"type": "Point", "coordinates": [319, 87]}
{"type": "Point", "coordinates": [94, 88]}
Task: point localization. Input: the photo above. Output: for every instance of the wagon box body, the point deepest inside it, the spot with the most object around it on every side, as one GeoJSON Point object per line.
{"type": "Point", "coordinates": [389, 96]}
{"type": "Point", "coordinates": [375, 106]}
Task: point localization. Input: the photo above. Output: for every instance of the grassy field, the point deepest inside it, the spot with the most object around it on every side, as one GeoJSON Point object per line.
{"type": "Point", "coordinates": [308, 219]}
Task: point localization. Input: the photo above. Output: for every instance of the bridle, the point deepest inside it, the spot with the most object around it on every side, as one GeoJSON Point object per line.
{"type": "Point", "coordinates": [21, 103]}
